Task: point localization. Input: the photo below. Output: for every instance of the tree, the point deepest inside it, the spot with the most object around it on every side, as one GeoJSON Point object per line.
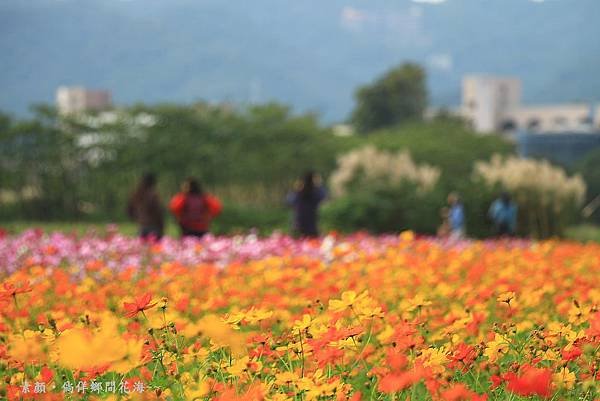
{"type": "Point", "coordinates": [400, 95]}
{"type": "Point", "coordinates": [588, 167]}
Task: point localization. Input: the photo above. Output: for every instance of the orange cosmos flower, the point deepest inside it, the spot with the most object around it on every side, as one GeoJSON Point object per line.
{"type": "Point", "coordinates": [460, 392]}
{"type": "Point", "coordinates": [394, 382]}
{"type": "Point", "coordinates": [10, 290]}
{"type": "Point", "coordinates": [140, 304]}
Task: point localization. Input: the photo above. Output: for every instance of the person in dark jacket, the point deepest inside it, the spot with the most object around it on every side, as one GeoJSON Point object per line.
{"type": "Point", "coordinates": [146, 209]}
{"type": "Point", "coordinates": [305, 200]}
{"type": "Point", "coordinates": [194, 209]}
{"type": "Point", "coordinates": [503, 213]}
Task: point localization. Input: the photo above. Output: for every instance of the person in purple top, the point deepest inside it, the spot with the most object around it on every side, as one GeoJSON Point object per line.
{"type": "Point", "coordinates": [305, 200]}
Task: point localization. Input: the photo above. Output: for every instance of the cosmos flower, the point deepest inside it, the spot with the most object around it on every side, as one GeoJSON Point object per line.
{"type": "Point", "coordinates": [140, 304]}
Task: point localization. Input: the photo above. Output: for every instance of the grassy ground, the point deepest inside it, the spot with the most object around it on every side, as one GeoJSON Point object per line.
{"type": "Point", "coordinates": [79, 228]}
{"type": "Point", "coordinates": [582, 233]}
{"type": "Point", "coordinates": [127, 228]}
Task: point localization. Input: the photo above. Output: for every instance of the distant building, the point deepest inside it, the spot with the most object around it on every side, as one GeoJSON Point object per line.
{"type": "Point", "coordinates": [493, 104]}
{"type": "Point", "coordinates": [552, 118]}
{"type": "Point", "coordinates": [76, 99]}
{"type": "Point", "coordinates": [486, 100]}
{"type": "Point", "coordinates": [565, 148]}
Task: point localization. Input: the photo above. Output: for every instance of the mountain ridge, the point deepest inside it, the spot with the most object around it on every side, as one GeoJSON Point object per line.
{"type": "Point", "coordinates": [311, 55]}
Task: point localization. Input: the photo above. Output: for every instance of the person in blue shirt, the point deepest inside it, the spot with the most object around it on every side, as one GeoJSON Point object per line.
{"type": "Point", "coordinates": [305, 200]}
{"type": "Point", "coordinates": [503, 213]}
{"type": "Point", "coordinates": [456, 216]}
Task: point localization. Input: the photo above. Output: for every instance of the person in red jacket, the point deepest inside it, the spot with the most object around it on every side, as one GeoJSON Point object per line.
{"type": "Point", "coordinates": [194, 209]}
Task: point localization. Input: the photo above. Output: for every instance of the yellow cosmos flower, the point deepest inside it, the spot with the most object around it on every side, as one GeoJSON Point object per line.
{"type": "Point", "coordinates": [417, 302]}
{"type": "Point", "coordinates": [193, 390]}
{"type": "Point", "coordinates": [321, 391]}
{"type": "Point", "coordinates": [29, 348]}
{"type": "Point", "coordinates": [347, 343]}
{"type": "Point", "coordinates": [244, 365]}
{"type": "Point", "coordinates": [301, 325]}
{"type": "Point", "coordinates": [235, 318]}
{"type": "Point", "coordinates": [348, 300]}
{"type": "Point", "coordinates": [257, 315]}
{"type": "Point", "coordinates": [549, 355]}
{"type": "Point", "coordinates": [385, 334]}
{"type": "Point", "coordinates": [319, 325]}
{"type": "Point", "coordinates": [496, 348]}
{"type": "Point", "coordinates": [508, 298]}
{"type": "Point", "coordinates": [168, 358]}
{"type": "Point", "coordinates": [239, 366]}
{"type": "Point", "coordinates": [128, 355]}
{"type": "Point", "coordinates": [194, 355]}
{"type": "Point", "coordinates": [564, 378]}
{"type": "Point", "coordinates": [82, 348]}
{"type": "Point", "coordinates": [280, 397]}
{"type": "Point", "coordinates": [17, 378]}
{"type": "Point", "coordinates": [286, 378]}
{"type": "Point", "coordinates": [561, 330]}
{"type": "Point", "coordinates": [221, 334]}
{"type": "Point", "coordinates": [531, 298]}
{"type": "Point", "coordinates": [525, 325]}
{"type": "Point", "coordinates": [578, 314]}
{"type": "Point", "coordinates": [434, 358]}
{"type": "Point", "coordinates": [368, 310]}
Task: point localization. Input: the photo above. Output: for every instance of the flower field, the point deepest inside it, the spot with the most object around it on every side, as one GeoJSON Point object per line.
{"type": "Point", "coordinates": [340, 318]}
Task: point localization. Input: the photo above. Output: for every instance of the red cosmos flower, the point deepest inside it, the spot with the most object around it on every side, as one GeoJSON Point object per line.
{"type": "Point", "coordinates": [95, 371]}
{"type": "Point", "coordinates": [357, 396]}
{"type": "Point", "coordinates": [594, 329]}
{"type": "Point", "coordinates": [572, 354]}
{"type": "Point", "coordinates": [496, 381]}
{"type": "Point", "coordinates": [146, 373]}
{"type": "Point", "coordinates": [395, 359]}
{"type": "Point", "coordinates": [327, 356]}
{"type": "Point", "coordinates": [10, 290]}
{"type": "Point", "coordinates": [46, 374]}
{"type": "Point", "coordinates": [533, 381]}
{"type": "Point", "coordinates": [460, 392]}
{"type": "Point", "coordinates": [394, 382]}
{"type": "Point", "coordinates": [140, 304]}
{"type": "Point", "coordinates": [463, 357]}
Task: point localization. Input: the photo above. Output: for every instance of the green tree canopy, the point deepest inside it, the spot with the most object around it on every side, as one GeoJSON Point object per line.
{"type": "Point", "coordinates": [588, 167]}
{"type": "Point", "coordinates": [398, 96]}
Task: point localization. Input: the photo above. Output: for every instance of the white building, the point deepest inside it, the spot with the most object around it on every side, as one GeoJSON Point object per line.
{"type": "Point", "coordinates": [553, 118]}
{"type": "Point", "coordinates": [77, 99]}
{"type": "Point", "coordinates": [487, 100]}
{"type": "Point", "coordinates": [493, 104]}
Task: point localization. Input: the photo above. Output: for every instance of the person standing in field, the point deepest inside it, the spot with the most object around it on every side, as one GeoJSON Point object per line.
{"type": "Point", "coordinates": [145, 207]}
{"type": "Point", "coordinates": [305, 199]}
{"type": "Point", "coordinates": [456, 216]}
{"type": "Point", "coordinates": [503, 213]}
{"type": "Point", "coordinates": [194, 209]}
